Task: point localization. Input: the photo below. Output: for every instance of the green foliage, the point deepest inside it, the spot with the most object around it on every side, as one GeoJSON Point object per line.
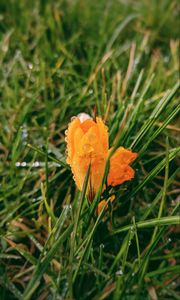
{"type": "Point", "coordinates": [57, 59]}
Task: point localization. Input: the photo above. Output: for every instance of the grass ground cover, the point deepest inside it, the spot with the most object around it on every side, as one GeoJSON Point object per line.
{"type": "Point", "coordinates": [58, 59]}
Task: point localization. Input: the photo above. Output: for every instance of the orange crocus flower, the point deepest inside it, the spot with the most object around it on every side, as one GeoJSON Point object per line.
{"type": "Point", "coordinates": [87, 144]}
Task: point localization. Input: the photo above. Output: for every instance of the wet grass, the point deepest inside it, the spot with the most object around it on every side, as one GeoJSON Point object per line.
{"type": "Point", "coordinates": [57, 60]}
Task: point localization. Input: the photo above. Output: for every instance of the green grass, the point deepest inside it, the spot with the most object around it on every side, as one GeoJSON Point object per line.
{"type": "Point", "coordinates": [57, 59]}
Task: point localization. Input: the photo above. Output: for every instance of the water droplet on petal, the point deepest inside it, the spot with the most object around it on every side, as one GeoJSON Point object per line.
{"type": "Point", "coordinates": [88, 148]}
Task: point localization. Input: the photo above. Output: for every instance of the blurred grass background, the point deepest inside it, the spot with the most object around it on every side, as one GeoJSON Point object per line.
{"type": "Point", "coordinates": [57, 59]}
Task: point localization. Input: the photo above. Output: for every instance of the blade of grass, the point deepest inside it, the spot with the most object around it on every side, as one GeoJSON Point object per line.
{"type": "Point", "coordinates": [162, 271]}
{"type": "Point", "coordinates": [50, 157]}
{"type": "Point", "coordinates": [154, 116]}
{"type": "Point", "coordinates": [164, 191]}
{"type": "Point", "coordinates": [90, 236]}
{"type": "Point", "coordinates": [155, 171]}
{"type": "Point", "coordinates": [159, 195]}
{"type": "Point", "coordinates": [119, 30]}
{"type": "Point", "coordinates": [146, 262]}
{"type": "Point", "coordinates": [44, 262]}
{"type": "Point", "coordinates": [160, 129]}
{"type": "Point", "coordinates": [164, 221]}
{"type": "Point", "coordinates": [48, 209]}
{"type": "Point", "coordinates": [73, 237]}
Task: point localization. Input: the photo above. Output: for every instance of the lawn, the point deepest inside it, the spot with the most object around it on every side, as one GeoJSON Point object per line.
{"type": "Point", "coordinates": [58, 59]}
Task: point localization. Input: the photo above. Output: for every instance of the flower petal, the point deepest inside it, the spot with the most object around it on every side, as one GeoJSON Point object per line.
{"type": "Point", "coordinates": [120, 171]}
{"type": "Point", "coordinates": [87, 124]}
{"type": "Point", "coordinates": [70, 138]}
{"type": "Point", "coordinates": [103, 133]}
{"type": "Point", "coordinates": [85, 147]}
